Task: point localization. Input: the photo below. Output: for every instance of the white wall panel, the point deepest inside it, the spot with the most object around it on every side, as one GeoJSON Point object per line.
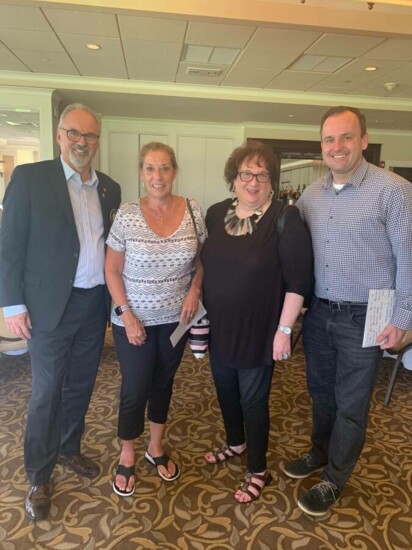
{"type": "Point", "coordinates": [123, 147]}
{"type": "Point", "coordinates": [201, 151]}
{"type": "Point", "coordinates": [217, 152]}
{"type": "Point", "coordinates": [191, 153]}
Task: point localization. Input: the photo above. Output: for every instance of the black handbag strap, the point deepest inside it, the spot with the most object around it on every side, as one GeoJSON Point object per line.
{"type": "Point", "coordinates": [280, 222]}
{"type": "Point", "coordinates": [189, 206]}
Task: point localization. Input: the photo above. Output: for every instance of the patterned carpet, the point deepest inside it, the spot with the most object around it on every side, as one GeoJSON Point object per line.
{"type": "Point", "coordinates": [198, 511]}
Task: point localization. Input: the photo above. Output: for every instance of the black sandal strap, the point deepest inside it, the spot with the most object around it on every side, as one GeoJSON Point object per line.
{"type": "Point", "coordinates": [125, 471]}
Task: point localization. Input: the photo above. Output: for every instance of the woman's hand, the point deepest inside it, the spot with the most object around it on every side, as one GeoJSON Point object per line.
{"type": "Point", "coordinates": [281, 346]}
{"type": "Point", "coordinates": [135, 331]}
{"type": "Point", "coordinates": [190, 306]}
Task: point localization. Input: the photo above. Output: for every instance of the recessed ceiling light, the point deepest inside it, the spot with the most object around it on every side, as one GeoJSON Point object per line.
{"type": "Point", "coordinates": [93, 47]}
{"type": "Point", "coordinates": [371, 68]}
{"type": "Point", "coordinates": [291, 116]}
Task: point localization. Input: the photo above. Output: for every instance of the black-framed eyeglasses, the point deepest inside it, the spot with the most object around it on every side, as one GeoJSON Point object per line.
{"type": "Point", "coordinates": [74, 135]}
{"type": "Point", "coordinates": [261, 177]}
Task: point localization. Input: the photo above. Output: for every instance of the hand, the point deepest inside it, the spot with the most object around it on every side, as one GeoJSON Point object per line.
{"type": "Point", "coordinates": [281, 346]}
{"type": "Point", "coordinates": [390, 337]}
{"type": "Point", "coordinates": [20, 325]}
{"type": "Point", "coordinates": [135, 330]}
{"type": "Point", "coordinates": [190, 306]}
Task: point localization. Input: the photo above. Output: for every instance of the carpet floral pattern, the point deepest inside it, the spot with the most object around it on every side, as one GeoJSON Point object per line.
{"type": "Point", "coordinates": [198, 511]}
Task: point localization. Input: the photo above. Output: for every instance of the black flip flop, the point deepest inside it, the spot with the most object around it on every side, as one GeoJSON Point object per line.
{"type": "Point", "coordinates": [162, 461]}
{"type": "Point", "coordinates": [126, 472]}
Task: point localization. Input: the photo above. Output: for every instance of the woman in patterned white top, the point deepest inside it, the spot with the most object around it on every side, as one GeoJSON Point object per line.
{"type": "Point", "coordinates": [154, 276]}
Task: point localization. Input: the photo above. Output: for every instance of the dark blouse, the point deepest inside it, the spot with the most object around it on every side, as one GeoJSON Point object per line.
{"type": "Point", "coordinates": [245, 280]}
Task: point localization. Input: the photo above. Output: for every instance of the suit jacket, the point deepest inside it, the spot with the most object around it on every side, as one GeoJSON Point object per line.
{"type": "Point", "coordinates": [39, 245]}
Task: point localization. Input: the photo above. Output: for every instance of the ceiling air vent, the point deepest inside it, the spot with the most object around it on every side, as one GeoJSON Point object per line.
{"type": "Point", "coordinates": [202, 71]}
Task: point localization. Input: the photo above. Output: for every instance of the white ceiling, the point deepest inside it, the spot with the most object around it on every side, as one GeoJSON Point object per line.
{"type": "Point", "coordinates": [282, 68]}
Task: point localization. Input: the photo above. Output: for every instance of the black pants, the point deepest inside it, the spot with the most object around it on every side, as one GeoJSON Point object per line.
{"type": "Point", "coordinates": [243, 396]}
{"type": "Point", "coordinates": [64, 365]}
{"type": "Point", "coordinates": [147, 377]}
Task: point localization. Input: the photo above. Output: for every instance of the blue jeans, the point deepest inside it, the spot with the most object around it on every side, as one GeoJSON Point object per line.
{"type": "Point", "coordinates": [340, 378]}
{"type": "Point", "coordinates": [243, 396]}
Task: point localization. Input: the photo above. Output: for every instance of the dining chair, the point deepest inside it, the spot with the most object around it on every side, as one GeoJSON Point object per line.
{"type": "Point", "coordinates": [9, 342]}
{"type": "Point", "coordinates": [399, 351]}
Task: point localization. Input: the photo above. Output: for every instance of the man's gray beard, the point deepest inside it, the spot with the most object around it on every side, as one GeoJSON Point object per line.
{"type": "Point", "coordinates": [79, 162]}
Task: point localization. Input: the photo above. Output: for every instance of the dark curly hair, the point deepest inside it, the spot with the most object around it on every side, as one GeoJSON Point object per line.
{"type": "Point", "coordinates": [257, 151]}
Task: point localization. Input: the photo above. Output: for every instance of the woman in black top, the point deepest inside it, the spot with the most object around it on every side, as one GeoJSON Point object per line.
{"type": "Point", "coordinates": [255, 277]}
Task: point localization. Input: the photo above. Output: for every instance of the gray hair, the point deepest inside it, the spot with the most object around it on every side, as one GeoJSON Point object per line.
{"type": "Point", "coordinates": [79, 107]}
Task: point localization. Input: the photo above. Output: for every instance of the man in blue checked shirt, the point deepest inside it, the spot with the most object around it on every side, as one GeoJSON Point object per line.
{"type": "Point", "coordinates": [360, 219]}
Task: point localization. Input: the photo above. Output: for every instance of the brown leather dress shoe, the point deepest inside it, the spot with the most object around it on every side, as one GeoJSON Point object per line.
{"type": "Point", "coordinates": [37, 504]}
{"type": "Point", "coordinates": [80, 464]}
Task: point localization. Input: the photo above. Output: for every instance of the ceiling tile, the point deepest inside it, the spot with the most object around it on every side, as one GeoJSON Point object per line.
{"type": "Point", "coordinates": [332, 64]}
{"type": "Point", "coordinates": [9, 62]}
{"type": "Point", "coordinates": [30, 40]}
{"type": "Point", "coordinates": [47, 62]}
{"type": "Point", "coordinates": [76, 44]}
{"type": "Point", "coordinates": [265, 59]}
{"type": "Point", "coordinates": [161, 71]}
{"type": "Point", "coordinates": [357, 68]}
{"type": "Point", "coordinates": [296, 80]}
{"type": "Point", "coordinates": [199, 54]}
{"type": "Point", "coordinates": [152, 28]}
{"type": "Point", "coordinates": [348, 44]}
{"type": "Point", "coordinates": [354, 75]}
{"type": "Point", "coordinates": [23, 18]}
{"type": "Point", "coordinates": [225, 56]}
{"type": "Point", "coordinates": [152, 51]}
{"type": "Point", "coordinates": [282, 40]}
{"type": "Point", "coordinates": [217, 34]}
{"type": "Point", "coordinates": [392, 48]}
{"type": "Point", "coordinates": [402, 74]}
{"type": "Point", "coordinates": [377, 88]}
{"type": "Point", "coordinates": [82, 22]}
{"type": "Point", "coordinates": [307, 62]}
{"type": "Point", "coordinates": [106, 67]}
{"type": "Point", "coordinates": [249, 77]}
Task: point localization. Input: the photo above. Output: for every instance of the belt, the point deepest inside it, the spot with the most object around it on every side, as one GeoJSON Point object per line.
{"type": "Point", "coordinates": [343, 305]}
{"type": "Point", "coordinates": [79, 290]}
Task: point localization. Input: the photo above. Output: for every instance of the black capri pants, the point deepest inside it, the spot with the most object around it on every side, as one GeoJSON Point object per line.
{"type": "Point", "coordinates": [147, 377]}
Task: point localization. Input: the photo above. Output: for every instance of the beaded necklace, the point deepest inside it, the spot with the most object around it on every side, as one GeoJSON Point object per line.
{"type": "Point", "coordinates": [236, 226]}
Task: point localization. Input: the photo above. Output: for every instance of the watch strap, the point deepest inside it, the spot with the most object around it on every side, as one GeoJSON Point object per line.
{"type": "Point", "coordinates": [119, 310]}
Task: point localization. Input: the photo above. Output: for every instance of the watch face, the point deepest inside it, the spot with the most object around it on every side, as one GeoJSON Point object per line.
{"type": "Point", "coordinates": [285, 330]}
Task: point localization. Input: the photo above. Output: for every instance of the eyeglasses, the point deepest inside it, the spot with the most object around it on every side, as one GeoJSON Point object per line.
{"type": "Point", "coordinates": [261, 177]}
{"type": "Point", "coordinates": [74, 135]}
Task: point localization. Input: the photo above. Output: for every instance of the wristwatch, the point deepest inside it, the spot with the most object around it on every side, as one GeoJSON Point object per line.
{"type": "Point", "coordinates": [286, 330]}
{"type": "Point", "coordinates": [119, 310]}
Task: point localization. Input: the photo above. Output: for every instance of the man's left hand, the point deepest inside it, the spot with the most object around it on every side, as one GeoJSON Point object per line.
{"type": "Point", "coordinates": [390, 337]}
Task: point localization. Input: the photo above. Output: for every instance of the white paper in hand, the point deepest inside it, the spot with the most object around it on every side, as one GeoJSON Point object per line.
{"type": "Point", "coordinates": [380, 307]}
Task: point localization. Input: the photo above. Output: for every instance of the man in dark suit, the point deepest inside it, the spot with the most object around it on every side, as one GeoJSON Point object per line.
{"type": "Point", "coordinates": [56, 217]}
